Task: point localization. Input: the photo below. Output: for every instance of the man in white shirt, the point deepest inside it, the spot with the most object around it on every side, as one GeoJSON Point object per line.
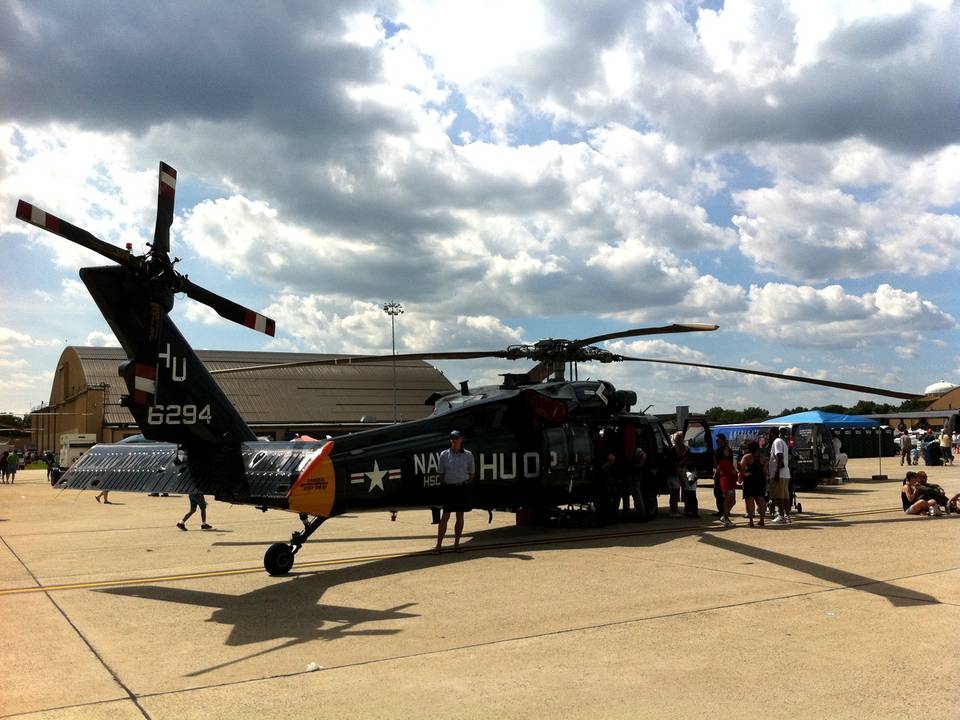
{"type": "Point", "coordinates": [778, 484]}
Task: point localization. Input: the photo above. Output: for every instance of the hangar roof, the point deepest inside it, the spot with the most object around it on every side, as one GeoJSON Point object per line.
{"type": "Point", "coordinates": [317, 394]}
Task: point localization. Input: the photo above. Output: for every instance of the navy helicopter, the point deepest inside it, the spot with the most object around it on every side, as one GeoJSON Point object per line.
{"type": "Point", "coordinates": [539, 438]}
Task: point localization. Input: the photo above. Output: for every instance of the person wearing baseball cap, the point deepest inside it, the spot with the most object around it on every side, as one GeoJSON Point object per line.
{"type": "Point", "coordinates": [457, 470]}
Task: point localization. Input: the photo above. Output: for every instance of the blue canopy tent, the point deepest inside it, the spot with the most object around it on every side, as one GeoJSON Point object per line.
{"type": "Point", "coordinates": [825, 418]}
{"type": "Point", "coordinates": [833, 420]}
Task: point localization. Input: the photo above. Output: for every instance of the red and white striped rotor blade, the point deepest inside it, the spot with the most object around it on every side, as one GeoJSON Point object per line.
{"type": "Point", "coordinates": [51, 223]}
{"type": "Point", "coordinates": [166, 194]}
{"type": "Point", "coordinates": [228, 309]}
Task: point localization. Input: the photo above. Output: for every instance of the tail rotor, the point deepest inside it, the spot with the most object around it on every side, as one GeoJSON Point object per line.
{"type": "Point", "coordinates": [154, 270]}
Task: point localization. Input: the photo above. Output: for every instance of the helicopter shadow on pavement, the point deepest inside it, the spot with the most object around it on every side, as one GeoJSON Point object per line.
{"type": "Point", "coordinates": [292, 607]}
{"type": "Point", "coordinates": [895, 594]}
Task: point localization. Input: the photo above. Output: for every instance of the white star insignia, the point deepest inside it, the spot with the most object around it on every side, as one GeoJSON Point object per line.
{"type": "Point", "coordinates": [376, 477]}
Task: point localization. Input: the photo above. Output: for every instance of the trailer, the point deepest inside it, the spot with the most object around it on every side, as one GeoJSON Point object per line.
{"type": "Point", "coordinates": [72, 446]}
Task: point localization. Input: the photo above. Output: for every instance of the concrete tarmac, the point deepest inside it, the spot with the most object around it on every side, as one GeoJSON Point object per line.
{"type": "Point", "coordinates": [111, 611]}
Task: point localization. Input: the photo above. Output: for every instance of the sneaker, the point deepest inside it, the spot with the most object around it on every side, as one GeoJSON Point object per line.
{"type": "Point", "coordinates": [778, 520]}
{"type": "Point", "coordinates": [728, 522]}
{"type": "Point", "coordinates": [787, 520]}
{"type": "Point", "coordinates": [206, 526]}
{"type": "Point", "coordinates": [181, 526]}
{"type": "Point", "coordinates": [932, 512]}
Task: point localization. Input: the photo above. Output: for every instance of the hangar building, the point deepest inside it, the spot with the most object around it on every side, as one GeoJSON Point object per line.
{"type": "Point", "coordinates": [317, 400]}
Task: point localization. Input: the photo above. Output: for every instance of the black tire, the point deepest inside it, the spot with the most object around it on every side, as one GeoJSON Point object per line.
{"type": "Point", "coordinates": [278, 559]}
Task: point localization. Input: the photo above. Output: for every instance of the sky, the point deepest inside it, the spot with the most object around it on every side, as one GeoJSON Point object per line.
{"type": "Point", "coordinates": [508, 171]}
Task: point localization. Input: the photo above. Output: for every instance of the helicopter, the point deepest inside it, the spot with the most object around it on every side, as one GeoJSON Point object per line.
{"type": "Point", "coordinates": [538, 438]}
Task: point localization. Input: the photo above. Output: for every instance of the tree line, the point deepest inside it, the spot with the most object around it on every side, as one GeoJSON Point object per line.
{"type": "Point", "coordinates": [727, 416]}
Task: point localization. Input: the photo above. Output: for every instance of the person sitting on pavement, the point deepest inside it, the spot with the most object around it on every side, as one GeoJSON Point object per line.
{"type": "Point", "coordinates": [913, 504]}
{"type": "Point", "coordinates": [931, 491]}
{"type": "Point", "coordinates": [953, 504]}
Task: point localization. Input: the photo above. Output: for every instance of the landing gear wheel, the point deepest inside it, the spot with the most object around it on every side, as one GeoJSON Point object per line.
{"type": "Point", "coordinates": [278, 559]}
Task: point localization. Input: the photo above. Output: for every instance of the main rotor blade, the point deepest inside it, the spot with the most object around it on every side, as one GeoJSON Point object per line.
{"type": "Point", "coordinates": [361, 359]}
{"type": "Point", "coordinates": [794, 378]}
{"type": "Point", "coordinates": [51, 223]}
{"type": "Point", "coordinates": [636, 332]}
{"type": "Point", "coordinates": [166, 194]}
{"type": "Point", "coordinates": [227, 308]}
{"type": "Point", "coordinates": [542, 369]}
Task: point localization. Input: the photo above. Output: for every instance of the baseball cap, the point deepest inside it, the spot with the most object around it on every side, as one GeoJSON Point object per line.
{"type": "Point", "coordinates": [456, 434]}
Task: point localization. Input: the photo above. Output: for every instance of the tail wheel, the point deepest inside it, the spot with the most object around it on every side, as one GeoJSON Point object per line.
{"type": "Point", "coordinates": [278, 559]}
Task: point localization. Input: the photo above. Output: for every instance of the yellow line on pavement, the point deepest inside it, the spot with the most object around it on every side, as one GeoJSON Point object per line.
{"type": "Point", "coordinates": [555, 540]}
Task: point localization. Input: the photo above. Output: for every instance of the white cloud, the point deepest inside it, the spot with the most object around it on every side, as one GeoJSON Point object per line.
{"type": "Point", "coordinates": [79, 176]}
{"type": "Point", "coordinates": [829, 317]}
{"type": "Point", "coordinates": [596, 147]}
{"type": "Point", "coordinates": [334, 325]}
{"type": "Point", "coordinates": [101, 339]}
{"type": "Point", "coordinates": [755, 43]}
{"type": "Point", "coordinates": [10, 338]}
{"type": "Point", "coordinates": [815, 233]}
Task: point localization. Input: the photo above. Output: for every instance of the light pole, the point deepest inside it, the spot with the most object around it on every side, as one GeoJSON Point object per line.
{"type": "Point", "coordinates": [393, 309]}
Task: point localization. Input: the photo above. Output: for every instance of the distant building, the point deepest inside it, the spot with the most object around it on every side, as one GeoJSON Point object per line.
{"type": "Point", "coordinates": [948, 398]}
{"type": "Point", "coordinates": [943, 409]}
{"type": "Point", "coordinates": [316, 400]}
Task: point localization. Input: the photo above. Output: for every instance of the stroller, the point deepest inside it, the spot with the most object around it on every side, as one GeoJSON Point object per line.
{"type": "Point", "coordinates": [795, 503]}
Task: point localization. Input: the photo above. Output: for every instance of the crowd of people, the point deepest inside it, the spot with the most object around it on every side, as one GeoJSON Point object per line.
{"type": "Point", "coordinates": [933, 447]}
{"type": "Point", "coordinates": [763, 473]}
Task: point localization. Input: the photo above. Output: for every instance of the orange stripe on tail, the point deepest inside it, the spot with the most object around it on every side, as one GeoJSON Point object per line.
{"type": "Point", "coordinates": [315, 490]}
